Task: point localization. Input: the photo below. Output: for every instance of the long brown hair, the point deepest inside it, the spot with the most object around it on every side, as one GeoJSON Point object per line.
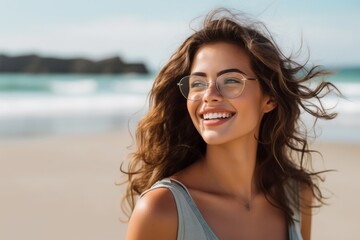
{"type": "Point", "coordinates": [167, 141]}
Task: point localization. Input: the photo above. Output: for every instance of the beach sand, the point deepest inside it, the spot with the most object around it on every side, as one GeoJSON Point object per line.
{"type": "Point", "coordinates": [63, 187]}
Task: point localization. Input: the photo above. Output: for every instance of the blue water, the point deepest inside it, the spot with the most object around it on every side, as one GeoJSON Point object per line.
{"type": "Point", "coordinates": [42, 104]}
{"type": "Point", "coordinates": [63, 104]}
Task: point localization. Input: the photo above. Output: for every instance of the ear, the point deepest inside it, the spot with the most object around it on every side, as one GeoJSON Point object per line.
{"type": "Point", "coordinates": [270, 104]}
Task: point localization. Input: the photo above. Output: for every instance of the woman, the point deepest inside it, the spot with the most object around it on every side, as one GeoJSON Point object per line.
{"type": "Point", "coordinates": [221, 152]}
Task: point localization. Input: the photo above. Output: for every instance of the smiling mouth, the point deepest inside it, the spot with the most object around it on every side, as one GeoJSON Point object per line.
{"type": "Point", "coordinates": [214, 116]}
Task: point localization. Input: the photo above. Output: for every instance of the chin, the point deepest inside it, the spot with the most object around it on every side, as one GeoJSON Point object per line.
{"type": "Point", "coordinates": [214, 138]}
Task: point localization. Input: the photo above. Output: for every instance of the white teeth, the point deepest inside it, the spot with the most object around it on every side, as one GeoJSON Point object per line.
{"type": "Point", "coordinates": [208, 116]}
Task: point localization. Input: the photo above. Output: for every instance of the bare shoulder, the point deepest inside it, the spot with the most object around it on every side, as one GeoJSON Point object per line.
{"type": "Point", "coordinates": [306, 203]}
{"type": "Point", "coordinates": [306, 194]}
{"type": "Point", "coordinates": [154, 216]}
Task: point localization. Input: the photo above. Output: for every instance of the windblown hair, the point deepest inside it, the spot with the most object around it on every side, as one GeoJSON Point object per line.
{"type": "Point", "coordinates": [168, 142]}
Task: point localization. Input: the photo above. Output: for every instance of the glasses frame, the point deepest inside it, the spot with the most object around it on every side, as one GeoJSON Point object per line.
{"type": "Point", "coordinates": [245, 79]}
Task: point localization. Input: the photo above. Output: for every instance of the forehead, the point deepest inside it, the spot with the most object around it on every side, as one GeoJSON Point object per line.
{"type": "Point", "coordinates": [215, 57]}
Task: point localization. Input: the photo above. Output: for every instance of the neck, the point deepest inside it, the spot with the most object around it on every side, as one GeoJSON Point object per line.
{"type": "Point", "coordinates": [231, 170]}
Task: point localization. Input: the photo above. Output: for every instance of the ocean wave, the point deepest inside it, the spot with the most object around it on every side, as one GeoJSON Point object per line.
{"type": "Point", "coordinates": [84, 86]}
{"type": "Point", "coordinates": [349, 90]}
{"type": "Point", "coordinates": [42, 106]}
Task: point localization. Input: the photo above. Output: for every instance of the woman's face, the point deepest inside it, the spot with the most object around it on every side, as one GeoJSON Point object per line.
{"type": "Point", "coordinates": [218, 119]}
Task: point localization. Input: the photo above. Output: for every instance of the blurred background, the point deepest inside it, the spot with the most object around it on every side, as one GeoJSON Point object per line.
{"type": "Point", "coordinates": [64, 133]}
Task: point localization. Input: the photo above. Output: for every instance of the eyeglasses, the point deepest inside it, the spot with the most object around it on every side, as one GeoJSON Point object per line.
{"type": "Point", "coordinates": [229, 85]}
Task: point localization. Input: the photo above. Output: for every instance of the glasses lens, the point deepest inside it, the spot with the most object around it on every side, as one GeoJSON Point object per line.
{"type": "Point", "coordinates": [184, 86]}
{"type": "Point", "coordinates": [193, 87]}
{"type": "Point", "coordinates": [231, 85]}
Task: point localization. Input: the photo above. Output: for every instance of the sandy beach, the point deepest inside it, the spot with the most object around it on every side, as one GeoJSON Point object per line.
{"type": "Point", "coordinates": [63, 187]}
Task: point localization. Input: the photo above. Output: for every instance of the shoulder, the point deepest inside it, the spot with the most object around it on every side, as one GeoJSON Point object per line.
{"type": "Point", "coordinates": [306, 197]}
{"type": "Point", "coordinates": [300, 192]}
{"type": "Point", "coordinates": [154, 216]}
{"type": "Point", "coordinates": [306, 202]}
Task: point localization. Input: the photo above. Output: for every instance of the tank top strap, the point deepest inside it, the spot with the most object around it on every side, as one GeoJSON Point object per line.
{"type": "Point", "coordinates": [191, 224]}
{"type": "Point", "coordinates": [294, 204]}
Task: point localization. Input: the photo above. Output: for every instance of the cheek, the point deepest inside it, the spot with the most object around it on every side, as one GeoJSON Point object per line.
{"type": "Point", "coordinates": [253, 100]}
{"type": "Point", "coordinates": [192, 107]}
{"type": "Point", "coordinates": [249, 109]}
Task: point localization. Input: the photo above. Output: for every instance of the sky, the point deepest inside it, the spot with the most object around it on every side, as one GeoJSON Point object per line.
{"type": "Point", "coordinates": [150, 31]}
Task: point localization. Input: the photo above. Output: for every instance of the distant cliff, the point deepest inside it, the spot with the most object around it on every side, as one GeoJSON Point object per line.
{"type": "Point", "coordinates": [38, 64]}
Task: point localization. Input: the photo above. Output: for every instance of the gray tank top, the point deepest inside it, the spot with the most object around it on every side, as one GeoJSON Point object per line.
{"type": "Point", "coordinates": [192, 225]}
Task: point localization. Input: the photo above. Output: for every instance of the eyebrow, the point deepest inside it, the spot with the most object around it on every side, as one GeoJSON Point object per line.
{"type": "Point", "coordinates": [202, 74]}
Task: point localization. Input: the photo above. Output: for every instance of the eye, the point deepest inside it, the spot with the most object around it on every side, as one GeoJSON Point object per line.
{"type": "Point", "coordinates": [198, 83]}
{"type": "Point", "coordinates": [232, 80]}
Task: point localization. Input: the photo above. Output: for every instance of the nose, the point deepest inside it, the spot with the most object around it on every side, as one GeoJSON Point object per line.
{"type": "Point", "coordinates": [212, 93]}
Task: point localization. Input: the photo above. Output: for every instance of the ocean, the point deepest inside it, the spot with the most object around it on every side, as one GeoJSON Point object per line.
{"type": "Point", "coordinates": [34, 105]}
